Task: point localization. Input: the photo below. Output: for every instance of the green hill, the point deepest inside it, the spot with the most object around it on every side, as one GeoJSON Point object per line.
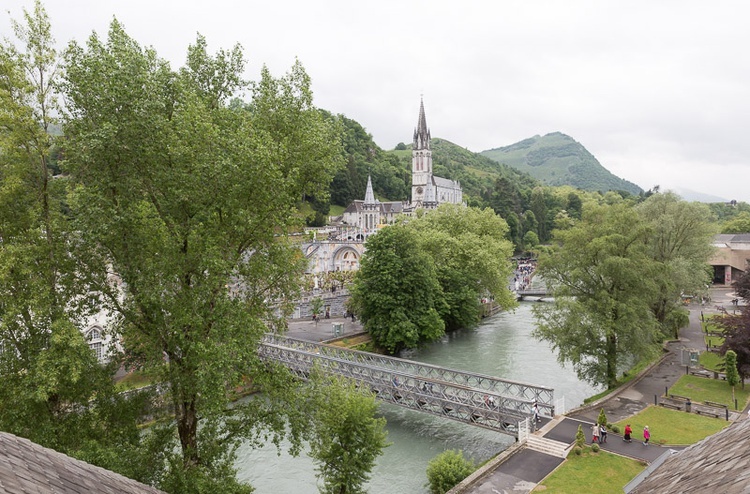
{"type": "Point", "coordinates": [557, 159]}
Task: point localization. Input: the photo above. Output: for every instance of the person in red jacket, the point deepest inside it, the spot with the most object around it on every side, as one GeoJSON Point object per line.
{"type": "Point", "coordinates": [628, 432]}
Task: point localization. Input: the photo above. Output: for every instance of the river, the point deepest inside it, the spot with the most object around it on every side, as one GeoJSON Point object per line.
{"type": "Point", "coordinates": [500, 346]}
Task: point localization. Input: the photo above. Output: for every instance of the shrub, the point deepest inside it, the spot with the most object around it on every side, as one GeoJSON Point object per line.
{"type": "Point", "coordinates": [595, 448]}
{"type": "Point", "coordinates": [446, 470]}
{"type": "Point", "coordinates": [578, 451]}
{"type": "Point", "coordinates": [602, 420]}
{"type": "Point", "coordinates": [615, 429]}
{"type": "Point", "coordinates": [580, 437]}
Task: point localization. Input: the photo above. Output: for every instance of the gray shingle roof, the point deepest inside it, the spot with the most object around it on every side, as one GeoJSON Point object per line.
{"type": "Point", "coordinates": [718, 464]}
{"type": "Point", "coordinates": [27, 467]}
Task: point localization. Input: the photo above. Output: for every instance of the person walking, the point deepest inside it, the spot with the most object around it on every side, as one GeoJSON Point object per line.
{"type": "Point", "coordinates": [595, 433]}
{"type": "Point", "coordinates": [602, 434]}
{"type": "Point", "coordinates": [535, 411]}
{"type": "Point", "coordinates": [646, 436]}
{"type": "Point", "coordinates": [628, 432]}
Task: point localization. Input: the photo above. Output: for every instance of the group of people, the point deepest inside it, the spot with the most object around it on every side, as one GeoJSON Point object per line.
{"type": "Point", "coordinates": [522, 276]}
{"type": "Point", "coordinates": [599, 434]}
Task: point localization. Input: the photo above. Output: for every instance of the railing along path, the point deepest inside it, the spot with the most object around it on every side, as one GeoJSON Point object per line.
{"type": "Point", "coordinates": [472, 398]}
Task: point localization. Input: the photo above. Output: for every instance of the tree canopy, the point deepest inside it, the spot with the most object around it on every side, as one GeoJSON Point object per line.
{"type": "Point", "coordinates": [184, 195]}
{"type": "Point", "coordinates": [602, 277]}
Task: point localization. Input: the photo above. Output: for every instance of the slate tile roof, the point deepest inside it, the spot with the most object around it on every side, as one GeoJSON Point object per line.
{"type": "Point", "coordinates": [717, 464]}
{"type": "Point", "coordinates": [26, 467]}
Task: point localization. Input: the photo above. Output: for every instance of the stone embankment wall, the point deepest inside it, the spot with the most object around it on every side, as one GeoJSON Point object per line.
{"type": "Point", "coordinates": [336, 301]}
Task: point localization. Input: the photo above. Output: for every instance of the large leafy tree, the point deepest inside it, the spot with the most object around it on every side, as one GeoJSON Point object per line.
{"type": "Point", "coordinates": [396, 292]}
{"type": "Point", "coordinates": [679, 240]}
{"type": "Point", "coordinates": [184, 195]}
{"type": "Point", "coordinates": [602, 277]}
{"type": "Point", "coordinates": [52, 388]}
{"type": "Point", "coordinates": [471, 254]}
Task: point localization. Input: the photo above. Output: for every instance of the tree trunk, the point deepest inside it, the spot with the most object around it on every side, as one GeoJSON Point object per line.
{"type": "Point", "coordinates": [187, 428]}
{"type": "Point", "coordinates": [611, 356]}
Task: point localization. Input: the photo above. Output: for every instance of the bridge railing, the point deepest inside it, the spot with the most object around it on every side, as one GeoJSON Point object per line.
{"type": "Point", "coordinates": [502, 388]}
{"type": "Point", "coordinates": [436, 397]}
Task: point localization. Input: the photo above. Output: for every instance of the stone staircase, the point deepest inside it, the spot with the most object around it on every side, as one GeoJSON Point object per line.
{"type": "Point", "coordinates": [547, 446]}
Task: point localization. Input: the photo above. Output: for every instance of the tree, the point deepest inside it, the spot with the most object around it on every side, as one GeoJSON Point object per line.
{"type": "Point", "coordinates": [446, 470]}
{"type": "Point", "coordinates": [52, 388]}
{"type": "Point", "coordinates": [742, 285]}
{"type": "Point", "coordinates": [347, 438]}
{"type": "Point", "coordinates": [602, 279]}
{"type": "Point", "coordinates": [184, 196]}
{"type": "Point", "coordinates": [738, 224]}
{"type": "Point", "coordinates": [580, 437]}
{"type": "Point", "coordinates": [471, 255]}
{"type": "Point", "coordinates": [679, 240]}
{"type": "Point", "coordinates": [730, 367]}
{"type": "Point", "coordinates": [602, 419]}
{"type": "Point", "coordinates": [396, 292]}
{"type": "Point", "coordinates": [737, 339]}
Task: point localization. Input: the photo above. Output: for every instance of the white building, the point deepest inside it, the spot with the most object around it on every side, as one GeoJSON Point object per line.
{"type": "Point", "coordinates": [427, 190]}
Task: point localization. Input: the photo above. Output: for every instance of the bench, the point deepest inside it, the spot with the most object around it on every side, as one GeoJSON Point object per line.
{"type": "Point", "coordinates": [678, 397]}
{"type": "Point", "coordinates": [700, 373]}
{"type": "Point", "coordinates": [704, 412]}
{"type": "Point", "coordinates": [714, 404]}
{"type": "Point", "coordinates": [670, 405]}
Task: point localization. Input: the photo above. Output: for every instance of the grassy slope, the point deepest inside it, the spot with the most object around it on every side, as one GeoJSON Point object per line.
{"type": "Point", "coordinates": [557, 159]}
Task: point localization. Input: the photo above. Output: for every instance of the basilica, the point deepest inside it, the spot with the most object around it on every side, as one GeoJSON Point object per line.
{"type": "Point", "coordinates": [427, 190]}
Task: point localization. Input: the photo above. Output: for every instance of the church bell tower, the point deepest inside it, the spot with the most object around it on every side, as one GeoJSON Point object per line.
{"type": "Point", "coordinates": [421, 160]}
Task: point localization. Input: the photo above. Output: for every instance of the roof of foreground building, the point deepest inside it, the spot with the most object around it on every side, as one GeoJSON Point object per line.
{"type": "Point", "coordinates": [28, 467]}
{"type": "Point", "coordinates": [719, 463]}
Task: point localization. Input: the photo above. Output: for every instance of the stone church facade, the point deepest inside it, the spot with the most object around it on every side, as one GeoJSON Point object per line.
{"type": "Point", "coordinates": [427, 190]}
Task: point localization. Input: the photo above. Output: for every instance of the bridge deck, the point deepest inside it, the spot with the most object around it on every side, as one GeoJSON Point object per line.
{"type": "Point", "coordinates": [476, 399]}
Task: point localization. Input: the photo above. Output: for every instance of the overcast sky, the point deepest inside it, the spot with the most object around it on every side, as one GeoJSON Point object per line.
{"type": "Point", "coordinates": [658, 91]}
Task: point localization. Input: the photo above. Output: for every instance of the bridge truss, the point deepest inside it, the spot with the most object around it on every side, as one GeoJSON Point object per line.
{"type": "Point", "coordinates": [476, 399]}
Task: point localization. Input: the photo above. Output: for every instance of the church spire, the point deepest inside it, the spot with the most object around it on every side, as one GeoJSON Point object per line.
{"type": "Point", "coordinates": [369, 195]}
{"type": "Point", "coordinates": [421, 133]}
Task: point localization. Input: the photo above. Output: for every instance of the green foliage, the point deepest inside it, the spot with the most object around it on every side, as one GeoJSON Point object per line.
{"type": "Point", "coordinates": [736, 330]}
{"type": "Point", "coordinates": [614, 428]}
{"type": "Point", "coordinates": [446, 470]}
{"type": "Point", "coordinates": [556, 159]}
{"type": "Point", "coordinates": [680, 242]}
{"type": "Point", "coordinates": [730, 366]}
{"type": "Point", "coordinates": [602, 419]}
{"type": "Point", "coordinates": [396, 293]}
{"type": "Point", "coordinates": [740, 223]}
{"type": "Point", "coordinates": [184, 195]}
{"type": "Point", "coordinates": [347, 438]}
{"type": "Point", "coordinates": [578, 451]}
{"type": "Point", "coordinates": [471, 255]}
{"type": "Point", "coordinates": [580, 437]}
{"type": "Point", "coordinates": [316, 305]}
{"type": "Point", "coordinates": [602, 278]}
{"type": "Point", "coordinates": [52, 388]}
{"type": "Point", "coordinates": [595, 448]}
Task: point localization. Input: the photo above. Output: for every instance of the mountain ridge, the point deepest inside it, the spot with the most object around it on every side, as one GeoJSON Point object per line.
{"type": "Point", "coordinates": [557, 159]}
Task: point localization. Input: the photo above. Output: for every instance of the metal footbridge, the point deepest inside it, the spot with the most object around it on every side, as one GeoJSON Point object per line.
{"type": "Point", "coordinates": [476, 399]}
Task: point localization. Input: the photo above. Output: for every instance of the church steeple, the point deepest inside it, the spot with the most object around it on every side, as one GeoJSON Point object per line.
{"type": "Point", "coordinates": [422, 133]}
{"type": "Point", "coordinates": [369, 195]}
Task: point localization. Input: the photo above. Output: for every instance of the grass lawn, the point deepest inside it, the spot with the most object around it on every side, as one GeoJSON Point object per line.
{"type": "Point", "coordinates": [591, 472]}
{"type": "Point", "coordinates": [716, 390]}
{"type": "Point", "coordinates": [133, 380]}
{"type": "Point", "coordinates": [671, 426]}
{"type": "Point", "coordinates": [713, 340]}
{"type": "Point", "coordinates": [710, 360]}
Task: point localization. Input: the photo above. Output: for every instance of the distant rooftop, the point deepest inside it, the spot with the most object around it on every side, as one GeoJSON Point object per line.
{"type": "Point", "coordinates": [26, 467]}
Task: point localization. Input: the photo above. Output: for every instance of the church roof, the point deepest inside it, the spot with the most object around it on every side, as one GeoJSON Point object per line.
{"type": "Point", "coordinates": [719, 463]}
{"type": "Point", "coordinates": [445, 182]}
{"type": "Point", "coordinates": [27, 467]}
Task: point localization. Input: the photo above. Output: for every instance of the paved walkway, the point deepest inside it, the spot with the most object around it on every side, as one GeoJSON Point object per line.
{"type": "Point", "coordinates": [525, 469]}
